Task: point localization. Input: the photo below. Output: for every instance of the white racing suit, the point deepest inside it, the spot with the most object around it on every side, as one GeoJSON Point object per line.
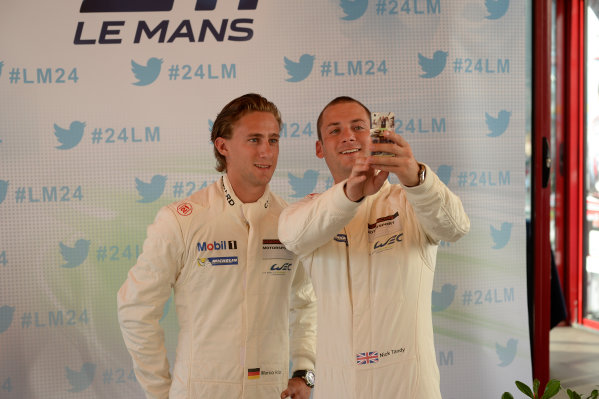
{"type": "Point", "coordinates": [372, 265]}
{"type": "Point", "coordinates": [236, 288]}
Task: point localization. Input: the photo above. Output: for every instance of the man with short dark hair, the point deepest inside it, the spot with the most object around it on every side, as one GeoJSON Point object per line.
{"type": "Point", "coordinates": [238, 292]}
{"type": "Point", "coordinates": [370, 248]}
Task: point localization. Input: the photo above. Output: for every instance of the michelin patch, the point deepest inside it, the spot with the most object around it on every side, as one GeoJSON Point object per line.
{"type": "Point", "coordinates": [218, 261]}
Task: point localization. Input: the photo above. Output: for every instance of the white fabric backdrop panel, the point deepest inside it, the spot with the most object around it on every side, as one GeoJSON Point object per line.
{"type": "Point", "coordinates": [95, 102]}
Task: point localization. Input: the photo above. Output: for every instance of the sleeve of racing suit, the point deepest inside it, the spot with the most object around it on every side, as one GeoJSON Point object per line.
{"type": "Point", "coordinates": [308, 224]}
{"type": "Point", "coordinates": [302, 321]}
{"type": "Point", "coordinates": [141, 302]}
{"type": "Point", "coordinates": [439, 211]}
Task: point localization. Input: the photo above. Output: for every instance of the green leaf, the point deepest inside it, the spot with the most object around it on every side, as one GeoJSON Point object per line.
{"type": "Point", "coordinates": [507, 395]}
{"type": "Point", "coordinates": [573, 394]}
{"type": "Point", "coordinates": [551, 389]}
{"type": "Point", "coordinates": [525, 389]}
{"type": "Point", "coordinates": [535, 387]}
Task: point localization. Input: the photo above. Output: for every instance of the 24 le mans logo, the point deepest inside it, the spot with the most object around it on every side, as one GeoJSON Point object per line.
{"type": "Point", "coordinates": [109, 32]}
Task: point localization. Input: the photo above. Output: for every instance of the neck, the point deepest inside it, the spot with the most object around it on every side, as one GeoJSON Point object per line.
{"type": "Point", "coordinates": [245, 192]}
{"type": "Point", "coordinates": [339, 177]}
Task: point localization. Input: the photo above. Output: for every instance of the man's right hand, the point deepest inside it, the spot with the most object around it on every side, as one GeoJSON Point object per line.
{"type": "Point", "coordinates": [363, 180]}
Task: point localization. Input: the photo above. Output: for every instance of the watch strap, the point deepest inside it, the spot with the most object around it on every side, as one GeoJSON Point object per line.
{"type": "Point", "coordinates": [299, 373]}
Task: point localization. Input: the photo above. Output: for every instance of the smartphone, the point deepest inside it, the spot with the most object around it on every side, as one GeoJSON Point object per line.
{"type": "Point", "coordinates": [381, 121]}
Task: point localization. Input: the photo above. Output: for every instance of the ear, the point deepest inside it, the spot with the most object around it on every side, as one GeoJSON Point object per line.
{"type": "Point", "coordinates": [319, 149]}
{"type": "Point", "coordinates": [221, 146]}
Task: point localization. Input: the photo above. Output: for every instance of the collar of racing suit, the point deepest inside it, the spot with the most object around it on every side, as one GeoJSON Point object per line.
{"type": "Point", "coordinates": [232, 200]}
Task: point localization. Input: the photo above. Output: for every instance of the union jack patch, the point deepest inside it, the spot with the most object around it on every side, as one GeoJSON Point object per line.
{"type": "Point", "coordinates": [367, 357]}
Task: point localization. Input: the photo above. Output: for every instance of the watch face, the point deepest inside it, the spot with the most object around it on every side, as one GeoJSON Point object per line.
{"type": "Point", "coordinates": [310, 377]}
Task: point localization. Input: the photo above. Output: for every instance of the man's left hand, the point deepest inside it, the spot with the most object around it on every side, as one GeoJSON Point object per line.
{"type": "Point", "coordinates": [296, 389]}
{"type": "Point", "coordinates": [402, 163]}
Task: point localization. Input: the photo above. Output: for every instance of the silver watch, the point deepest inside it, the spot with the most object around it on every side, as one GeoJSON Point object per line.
{"type": "Point", "coordinates": [421, 174]}
{"type": "Point", "coordinates": [307, 375]}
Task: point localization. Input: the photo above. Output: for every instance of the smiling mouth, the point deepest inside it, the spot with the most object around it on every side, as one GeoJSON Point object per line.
{"type": "Point", "coordinates": [351, 151]}
{"type": "Point", "coordinates": [262, 166]}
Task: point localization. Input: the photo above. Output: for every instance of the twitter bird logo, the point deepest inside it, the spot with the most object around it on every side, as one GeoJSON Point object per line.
{"type": "Point", "coordinates": [501, 237]}
{"type": "Point", "coordinates": [441, 300]}
{"type": "Point", "coordinates": [506, 353]}
{"type": "Point", "coordinates": [80, 380]}
{"type": "Point", "coordinates": [496, 8]}
{"type": "Point", "coordinates": [151, 191]}
{"type": "Point", "coordinates": [69, 138]}
{"type": "Point", "coordinates": [6, 314]}
{"type": "Point", "coordinates": [146, 75]}
{"type": "Point", "coordinates": [303, 185]}
{"type": "Point", "coordinates": [498, 125]}
{"type": "Point", "coordinates": [353, 9]}
{"type": "Point", "coordinates": [299, 70]}
{"type": "Point", "coordinates": [76, 255]}
{"type": "Point", "coordinates": [3, 190]}
{"type": "Point", "coordinates": [432, 66]}
{"type": "Point", "coordinates": [444, 173]}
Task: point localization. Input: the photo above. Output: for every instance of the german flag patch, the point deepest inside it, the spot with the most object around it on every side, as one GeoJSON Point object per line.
{"type": "Point", "coordinates": [254, 374]}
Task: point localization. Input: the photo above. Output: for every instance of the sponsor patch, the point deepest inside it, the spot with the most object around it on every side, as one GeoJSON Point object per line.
{"type": "Point", "coordinates": [274, 249]}
{"type": "Point", "coordinates": [367, 358]}
{"type": "Point", "coordinates": [341, 238]}
{"type": "Point", "coordinates": [279, 269]}
{"type": "Point", "coordinates": [385, 243]}
{"type": "Point", "coordinates": [217, 245]}
{"type": "Point", "coordinates": [185, 209]}
{"type": "Point", "coordinates": [218, 261]}
{"type": "Point", "coordinates": [384, 226]}
{"type": "Point", "coordinates": [254, 374]}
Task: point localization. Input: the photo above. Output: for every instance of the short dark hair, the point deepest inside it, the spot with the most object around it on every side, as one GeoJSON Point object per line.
{"type": "Point", "coordinates": [231, 113]}
{"type": "Point", "coordinates": [338, 100]}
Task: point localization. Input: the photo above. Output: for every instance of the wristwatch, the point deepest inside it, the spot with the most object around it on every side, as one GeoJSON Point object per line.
{"type": "Point", "coordinates": [307, 375]}
{"type": "Point", "coordinates": [421, 174]}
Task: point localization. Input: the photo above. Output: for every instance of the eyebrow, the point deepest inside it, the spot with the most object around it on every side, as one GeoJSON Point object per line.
{"type": "Point", "coordinates": [277, 134]}
{"type": "Point", "coordinates": [352, 121]}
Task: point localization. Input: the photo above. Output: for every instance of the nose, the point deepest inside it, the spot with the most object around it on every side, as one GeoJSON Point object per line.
{"type": "Point", "coordinates": [348, 134]}
{"type": "Point", "coordinates": [265, 150]}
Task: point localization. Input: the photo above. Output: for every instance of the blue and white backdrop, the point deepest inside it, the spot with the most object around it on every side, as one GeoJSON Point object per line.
{"type": "Point", "coordinates": [105, 114]}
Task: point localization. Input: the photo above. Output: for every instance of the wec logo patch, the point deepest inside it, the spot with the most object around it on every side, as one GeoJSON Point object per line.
{"type": "Point", "coordinates": [388, 243]}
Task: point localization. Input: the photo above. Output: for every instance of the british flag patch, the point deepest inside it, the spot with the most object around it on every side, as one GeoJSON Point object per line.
{"type": "Point", "coordinates": [367, 357]}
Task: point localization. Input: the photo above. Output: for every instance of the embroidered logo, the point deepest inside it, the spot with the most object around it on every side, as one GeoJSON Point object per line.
{"type": "Point", "coordinates": [217, 245]}
{"type": "Point", "coordinates": [184, 209]}
{"type": "Point", "coordinates": [341, 238]}
{"type": "Point", "coordinates": [274, 249]}
{"type": "Point", "coordinates": [367, 357]}
{"type": "Point", "coordinates": [254, 374]}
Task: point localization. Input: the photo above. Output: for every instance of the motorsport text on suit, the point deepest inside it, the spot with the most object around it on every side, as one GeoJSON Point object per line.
{"type": "Point", "coordinates": [236, 287]}
{"type": "Point", "coordinates": [372, 265]}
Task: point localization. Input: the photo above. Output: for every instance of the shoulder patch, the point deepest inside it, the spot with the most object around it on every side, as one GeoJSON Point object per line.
{"type": "Point", "coordinates": [184, 209]}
